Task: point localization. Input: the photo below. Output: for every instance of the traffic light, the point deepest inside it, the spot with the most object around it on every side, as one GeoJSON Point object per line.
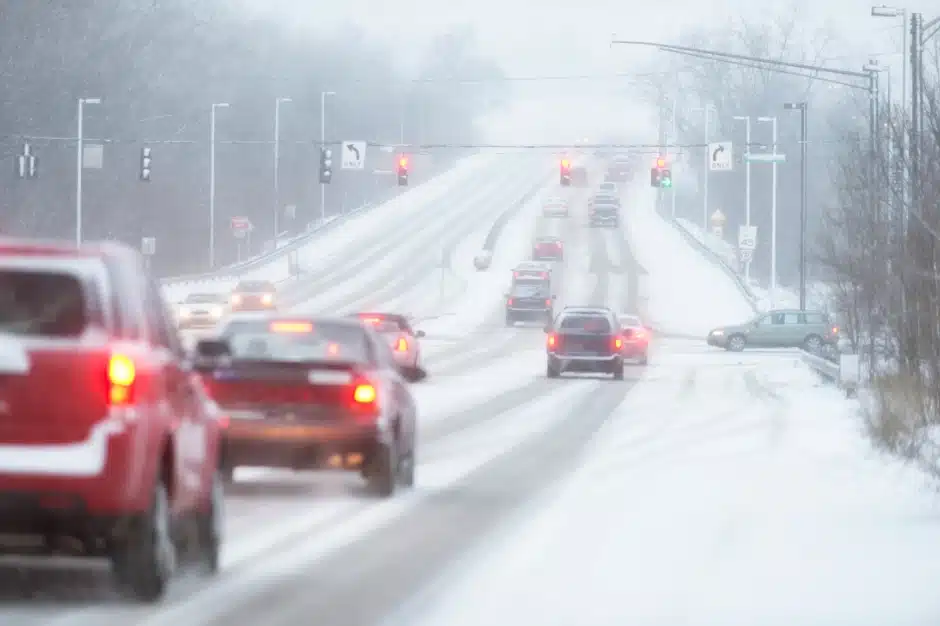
{"type": "Point", "coordinates": [660, 174]}
{"type": "Point", "coordinates": [665, 178]}
{"type": "Point", "coordinates": [326, 166]}
{"type": "Point", "coordinates": [565, 172]}
{"type": "Point", "coordinates": [403, 170]}
{"type": "Point", "coordinates": [145, 164]}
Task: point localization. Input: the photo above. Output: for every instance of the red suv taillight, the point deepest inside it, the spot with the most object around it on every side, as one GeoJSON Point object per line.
{"type": "Point", "coordinates": [553, 342]}
{"type": "Point", "coordinates": [509, 302]}
{"type": "Point", "coordinates": [618, 343]}
{"type": "Point", "coordinates": [364, 400]}
{"type": "Point", "coordinates": [401, 345]}
{"type": "Point", "coordinates": [122, 373]}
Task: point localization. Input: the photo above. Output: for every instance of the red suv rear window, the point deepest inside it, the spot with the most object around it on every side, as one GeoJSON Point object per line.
{"type": "Point", "coordinates": [41, 303]}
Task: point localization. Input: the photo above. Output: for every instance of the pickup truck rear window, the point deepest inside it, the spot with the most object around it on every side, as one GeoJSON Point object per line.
{"type": "Point", "coordinates": [42, 304]}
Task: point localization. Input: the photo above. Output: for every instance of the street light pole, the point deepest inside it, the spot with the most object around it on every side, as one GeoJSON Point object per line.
{"type": "Point", "coordinates": [79, 165]}
{"type": "Point", "coordinates": [215, 106]}
{"type": "Point", "coordinates": [277, 165]}
{"type": "Point", "coordinates": [893, 12]}
{"type": "Point", "coordinates": [801, 107]}
{"type": "Point", "coordinates": [773, 213]}
{"type": "Point", "coordinates": [323, 95]}
{"type": "Point", "coordinates": [747, 180]}
{"type": "Point", "coordinates": [706, 109]}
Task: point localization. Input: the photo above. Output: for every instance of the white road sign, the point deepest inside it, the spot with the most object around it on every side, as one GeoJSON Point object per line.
{"type": "Point", "coordinates": [354, 155]}
{"type": "Point", "coordinates": [746, 255]}
{"type": "Point", "coordinates": [719, 156]}
{"type": "Point", "coordinates": [148, 246]}
{"type": "Point", "coordinates": [747, 237]}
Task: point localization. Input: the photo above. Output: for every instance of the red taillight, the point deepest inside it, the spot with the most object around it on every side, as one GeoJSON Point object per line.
{"type": "Point", "coordinates": [552, 341]}
{"type": "Point", "coordinates": [509, 302]}
{"type": "Point", "coordinates": [122, 373]}
{"type": "Point", "coordinates": [401, 345]}
{"type": "Point", "coordinates": [291, 327]}
{"type": "Point", "coordinates": [618, 343]}
{"type": "Point", "coordinates": [640, 334]}
{"type": "Point", "coordinates": [364, 393]}
{"type": "Point", "coordinates": [548, 302]}
{"type": "Point", "coordinates": [544, 275]}
{"type": "Point", "coordinates": [835, 330]}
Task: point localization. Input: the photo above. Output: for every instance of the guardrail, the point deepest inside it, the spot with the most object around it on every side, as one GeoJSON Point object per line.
{"type": "Point", "coordinates": [234, 271]}
{"type": "Point", "coordinates": [719, 262]}
{"type": "Point", "coordinates": [841, 370]}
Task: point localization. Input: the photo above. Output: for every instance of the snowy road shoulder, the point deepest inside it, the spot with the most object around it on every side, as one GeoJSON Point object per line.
{"type": "Point", "coordinates": [731, 495]}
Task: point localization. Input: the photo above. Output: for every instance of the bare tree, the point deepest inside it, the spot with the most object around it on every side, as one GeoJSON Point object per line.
{"type": "Point", "coordinates": [887, 277]}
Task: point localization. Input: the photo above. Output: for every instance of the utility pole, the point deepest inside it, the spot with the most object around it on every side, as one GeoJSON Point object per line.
{"type": "Point", "coordinates": [747, 180]}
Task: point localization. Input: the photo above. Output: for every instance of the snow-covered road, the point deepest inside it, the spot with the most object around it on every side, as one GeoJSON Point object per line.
{"type": "Point", "coordinates": [706, 489]}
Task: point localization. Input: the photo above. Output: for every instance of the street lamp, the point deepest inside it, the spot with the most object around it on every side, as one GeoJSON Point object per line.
{"type": "Point", "coordinates": [801, 107]}
{"type": "Point", "coordinates": [773, 211]}
{"type": "Point", "coordinates": [747, 180]}
{"type": "Point", "coordinates": [893, 12]}
{"type": "Point", "coordinates": [215, 107]}
{"type": "Point", "coordinates": [277, 164]}
{"type": "Point", "coordinates": [706, 109]}
{"type": "Point", "coordinates": [79, 165]}
{"type": "Point", "coordinates": [323, 95]}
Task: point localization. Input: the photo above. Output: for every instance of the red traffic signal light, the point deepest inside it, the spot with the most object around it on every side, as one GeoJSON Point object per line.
{"type": "Point", "coordinates": [402, 161]}
{"type": "Point", "coordinates": [565, 163]}
{"type": "Point", "coordinates": [660, 163]}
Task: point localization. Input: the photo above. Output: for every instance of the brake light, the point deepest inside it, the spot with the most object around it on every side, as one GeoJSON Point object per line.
{"type": "Point", "coordinates": [291, 327]}
{"type": "Point", "coordinates": [548, 302]}
{"type": "Point", "coordinates": [401, 345]}
{"type": "Point", "coordinates": [267, 298]}
{"type": "Point", "coordinates": [835, 330]}
{"type": "Point", "coordinates": [364, 394]}
{"type": "Point", "coordinates": [618, 343]}
{"type": "Point", "coordinates": [509, 302]}
{"type": "Point", "coordinates": [552, 341]}
{"type": "Point", "coordinates": [372, 320]}
{"type": "Point", "coordinates": [544, 275]}
{"type": "Point", "coordinates": [121, 376]}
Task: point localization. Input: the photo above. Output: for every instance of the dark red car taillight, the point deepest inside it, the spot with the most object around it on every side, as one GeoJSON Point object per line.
{"type": "Point", "coordinates": [553, 342]}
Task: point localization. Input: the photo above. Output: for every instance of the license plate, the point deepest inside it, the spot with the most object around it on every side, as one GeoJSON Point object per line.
{"type": "Point", "coordinates": [290, 432]}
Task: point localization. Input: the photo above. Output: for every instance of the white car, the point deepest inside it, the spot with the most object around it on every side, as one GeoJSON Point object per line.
{"type": "Point", "coordinates": [555, 207]}
{"type": "Point", "coordinates": [201, 310]}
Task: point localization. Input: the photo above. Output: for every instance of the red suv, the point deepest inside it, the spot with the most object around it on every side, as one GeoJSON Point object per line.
{"type": "Point", "coordinates": [108, 444]}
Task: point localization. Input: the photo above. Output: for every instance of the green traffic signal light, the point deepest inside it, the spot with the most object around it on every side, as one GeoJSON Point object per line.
{"type": "Point", "coordinates": [665, 178]}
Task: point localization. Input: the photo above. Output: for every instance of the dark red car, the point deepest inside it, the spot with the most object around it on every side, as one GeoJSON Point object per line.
{"type": "Point", "coordinates": [548, 249]}
{"type": "Point", "coordinates": [108, 444]}
{"type": "Point", "coordinates": [309, 393]}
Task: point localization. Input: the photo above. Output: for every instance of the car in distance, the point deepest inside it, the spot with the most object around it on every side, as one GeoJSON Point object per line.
{"type": "Point", "coordinates": [604, 214]}
{"type": "Point", "coordinates": [530, 300]}
{"type": "Point", "coordinates": [531, 270]}
{"type": "Point", "coordinates": [782, 328]}
{"type": "Point", "coordinates": [608, 188]}
{"type": "Point", "coordinates": [201, 310]}
{"type": "Point", "coordinates": [555, 207]}
{"type": "Point", "coordinates": [584, 339]}
{"type": "Point", "coordinates": [108, 444]}
{"type": "Point", "coordinates": [636, 338]}
{"type": "Point", "coordinates": [548, 249]}
{"type": "Point", "coordinates": [401, 338]}
{"type": "Point", "coordinates": [307, 393]}
{"type": "Point", "coordinates": [254, 295]}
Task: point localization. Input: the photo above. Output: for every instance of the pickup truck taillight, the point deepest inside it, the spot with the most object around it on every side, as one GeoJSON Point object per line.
{"type": "Point", "coordinates": [122, 373]}
{"type": "Point", "coordinates": [552, 342]}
